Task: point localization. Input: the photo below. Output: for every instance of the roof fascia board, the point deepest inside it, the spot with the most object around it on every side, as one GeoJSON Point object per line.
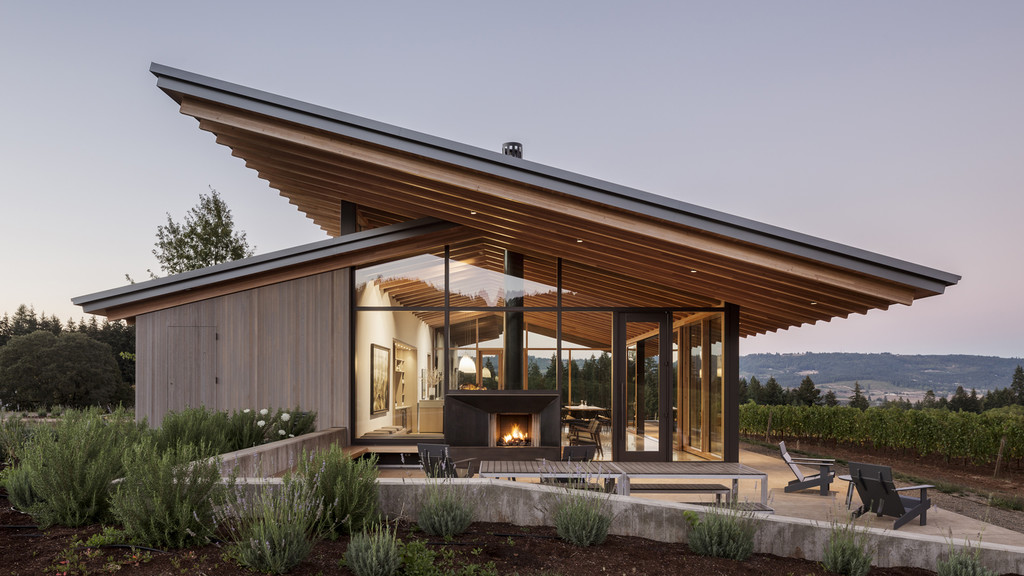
{"type": "Point", "coordinates": [263, 263]}
{"type": "Point", "coordinates": [177, 82]}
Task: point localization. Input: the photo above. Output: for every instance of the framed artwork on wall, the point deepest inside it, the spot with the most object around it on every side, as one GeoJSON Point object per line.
{"type": "Point", "coordinates": [380, 379]}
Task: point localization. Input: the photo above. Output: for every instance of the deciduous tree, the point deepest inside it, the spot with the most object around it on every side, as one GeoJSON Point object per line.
{"type": "Point", "coordinates": [207, 237]}
{"type": "Point", "coordinates": [43, 370]}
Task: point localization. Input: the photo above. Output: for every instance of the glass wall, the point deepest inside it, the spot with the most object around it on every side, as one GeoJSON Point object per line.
{"type": "Point", "coordinates": [493, 323]}
{"type": "Point", "coordinates": [701, 387]}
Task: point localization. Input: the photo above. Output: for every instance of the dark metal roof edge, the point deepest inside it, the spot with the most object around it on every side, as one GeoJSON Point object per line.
{"type": "Point", "coordinates": [174, 81]}
{"type": "Point", "coordinates": [257, 264]}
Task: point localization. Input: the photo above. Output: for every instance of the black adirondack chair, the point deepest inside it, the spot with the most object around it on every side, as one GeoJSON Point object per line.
{"type": "Point", "coordinates": [821, 480]}
{"type": "Point", "coordinates": [878, 494]}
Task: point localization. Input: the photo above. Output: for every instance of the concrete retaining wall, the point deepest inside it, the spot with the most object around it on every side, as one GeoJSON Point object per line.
{"type": "Point", "coordinates": [530, 504]}
{"type": "Point", "coordinates": [276, 458]}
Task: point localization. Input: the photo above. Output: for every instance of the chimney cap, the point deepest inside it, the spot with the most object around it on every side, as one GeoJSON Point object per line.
{"type": "Point", "coordinates": [514, 149]}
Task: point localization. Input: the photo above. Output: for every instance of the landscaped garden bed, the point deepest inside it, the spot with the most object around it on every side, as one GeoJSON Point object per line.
{"type": "Point", "coordinates": [169, 513]}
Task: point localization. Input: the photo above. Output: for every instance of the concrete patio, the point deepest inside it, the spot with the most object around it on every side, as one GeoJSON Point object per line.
{"type": "Point", "coordinates": [809, 505]}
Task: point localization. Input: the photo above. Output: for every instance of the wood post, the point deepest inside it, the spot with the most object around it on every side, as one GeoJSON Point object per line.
{"type": "Point", "coordinates": [999, 457]}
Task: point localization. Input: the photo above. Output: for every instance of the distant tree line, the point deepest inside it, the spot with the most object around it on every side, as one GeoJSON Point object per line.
{"type": "Point", "coordinates": [807, 394]}
{"type": "Point", "coordinates": [45, 362]}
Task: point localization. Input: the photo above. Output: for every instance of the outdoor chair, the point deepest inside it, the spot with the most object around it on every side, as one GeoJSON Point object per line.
{"type": "Point", "coordinates": [878, 494]}
{"type": "Point", "coordinates": [822, 479]}
{"type": "Point", "coordinates": [589, 436]}
{"type": "Point", "coordinates": [437, 462]}
{"type": "Point", "coordinates": [582, 453]}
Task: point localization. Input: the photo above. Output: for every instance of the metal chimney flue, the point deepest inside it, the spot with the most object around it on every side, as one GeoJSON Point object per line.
{"type": "Point", "coordinates": [514, 149]}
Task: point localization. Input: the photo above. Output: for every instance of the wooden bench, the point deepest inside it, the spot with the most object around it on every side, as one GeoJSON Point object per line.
{"type": "Point", "coordinates": [673, 488]}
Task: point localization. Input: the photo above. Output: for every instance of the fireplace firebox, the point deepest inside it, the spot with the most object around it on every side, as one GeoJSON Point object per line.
{"type": "Point", "coordinates": [514, 430]}
{"type": "Point", "coordinates": [503, 424]}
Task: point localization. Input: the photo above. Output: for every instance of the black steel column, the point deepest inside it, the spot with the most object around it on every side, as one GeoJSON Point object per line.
{"type": "Point", "coordinates": [731, 395]}
{"type": "Point", "coordinates": [640, 381]}
{"type": "Point", "coordinates": [348, 217]}
{"type": "Point", "coordinates": [514, 288]}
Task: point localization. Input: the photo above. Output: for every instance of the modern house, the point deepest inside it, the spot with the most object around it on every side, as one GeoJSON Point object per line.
{"type": "Point", "coordinates": [461, 292]}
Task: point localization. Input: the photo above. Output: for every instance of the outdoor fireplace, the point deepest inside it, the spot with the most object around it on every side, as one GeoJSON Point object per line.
{"type": "Point", "coordinates": [514, 430]}
{"type": "Point", "coordinates": [478, 422]}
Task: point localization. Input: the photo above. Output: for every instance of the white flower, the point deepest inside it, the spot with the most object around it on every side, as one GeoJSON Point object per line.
{"type": "Point", "coordinates": [264, 412]}
{"type": "Point", "coordinates": [286, 417]}
{"type": "Point", "coordinates": [291, 435]}
{"type": "Point", "coordinates": [281, 432]}
{"type": "Point", "coordinates": [246, 411]}
{"type": "Point", "coordinates": [261, 423]}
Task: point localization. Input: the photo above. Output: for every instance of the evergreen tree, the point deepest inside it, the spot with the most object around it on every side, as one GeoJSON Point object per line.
{"type": "Point", "coordinates": [998, 398]}
{"type": "Point", "coordinates": [858, 400]}
{"type": "Point", "coordinates": [534, 377]}
{"type": "Point", "coordinates": [963, 402]}
{"type": "Point", "coordinates": [928, 401]}
{"type": "Point", "coordinates": [774, 395]}
{"type": "Point", "coordinates": [807, 394]}
{"type": "Point", "coordinates": [1018, 385]}
{"type": "Point", "coordinates": [743, 393]}
{"type": "Point", "coordinates": [830, 398]}
{"type": "Point", "coordinates": [755, 391]}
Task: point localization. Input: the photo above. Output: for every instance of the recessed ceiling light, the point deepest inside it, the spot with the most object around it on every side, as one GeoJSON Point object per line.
{"type": "Point", "coordinates": [472, 212]}
{"type": "Point", "coordinates": [579, 240]}
{"type": "Point", "coordinates": [693, 271]}
{"type": "Point", "coordinates": [814, 303]}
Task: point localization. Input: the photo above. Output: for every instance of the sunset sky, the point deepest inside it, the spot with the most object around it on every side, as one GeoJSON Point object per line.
{"type": "Point", "coordinates": [895, 127]}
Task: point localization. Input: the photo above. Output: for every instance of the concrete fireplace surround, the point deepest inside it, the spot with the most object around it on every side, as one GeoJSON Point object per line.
{"type": "Point", "coordinates": [468, 423]}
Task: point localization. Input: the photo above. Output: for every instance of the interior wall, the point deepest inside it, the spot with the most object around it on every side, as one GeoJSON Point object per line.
{"type": "Point", "coordinates": [382, 328]}
{"type": "Point", "coordinates": [278, 346]}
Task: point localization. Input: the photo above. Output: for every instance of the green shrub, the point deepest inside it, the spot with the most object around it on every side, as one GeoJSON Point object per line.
{"type": "Point", "coordinates": [961, 562]}
{"type": "Point", "coordinates": [374, 552]}
{"type": "Point", "coordinates": [248, 428]}
{"type": "Point", "coordinates": [272, 528]}
{"type": "Point", "coordinates": [243, 430]}
{"type": "Point", "coordinates": [71, 465]}
{"type": "Point", "coordinates": [724, 532]}
{"type": "Point", "coordinates": [291, 423]}
{"type": "Point", "coordinates": [418, 560]}
{"type": "Point", "coordinates": [196, 426]}
{"type": "Point", "coordinates": [447, 509]}
{"type": "Point", "coordinates": [14, 434]}
{"type": "Point", "coordinates": [347, 487]}
{"type": "Point", "coordinates": [167, 500]}
{"type": "Point", "coordinates": [581, 517]}
{"type": "Point", "coordinates": [847, 551]}
{"type": "Point", "coordinates": [19, 488]}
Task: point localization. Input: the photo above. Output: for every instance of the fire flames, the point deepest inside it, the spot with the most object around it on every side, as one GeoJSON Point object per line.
{"type": "Point", "coordinates": [515, 437]}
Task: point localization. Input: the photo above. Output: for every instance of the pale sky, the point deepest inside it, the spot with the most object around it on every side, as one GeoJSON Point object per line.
{"type": "Point", "coordinates": [895, 127]}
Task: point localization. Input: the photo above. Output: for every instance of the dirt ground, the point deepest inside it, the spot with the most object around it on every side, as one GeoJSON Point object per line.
{"type": "Point", "coordinates": [512, 549]}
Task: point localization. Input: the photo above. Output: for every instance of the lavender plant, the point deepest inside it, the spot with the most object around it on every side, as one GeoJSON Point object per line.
{"type": "Point", "coordinates": [167, 499]}
{"type": "Point", "coordinates": [272, 528]}
{"type": "Point", "coordinates": [347, 487]}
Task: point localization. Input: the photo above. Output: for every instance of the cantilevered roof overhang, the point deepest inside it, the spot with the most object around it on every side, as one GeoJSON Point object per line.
{"type": "Point", "coordinates": [319, 158]}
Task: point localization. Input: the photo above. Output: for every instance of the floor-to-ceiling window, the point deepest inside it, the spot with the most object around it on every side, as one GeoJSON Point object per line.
{"type": "Point", "coordinates": [474, 316]}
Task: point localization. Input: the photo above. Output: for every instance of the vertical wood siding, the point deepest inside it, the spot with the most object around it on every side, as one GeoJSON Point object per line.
{"type": "Point", "coordinates": [277, 346]}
